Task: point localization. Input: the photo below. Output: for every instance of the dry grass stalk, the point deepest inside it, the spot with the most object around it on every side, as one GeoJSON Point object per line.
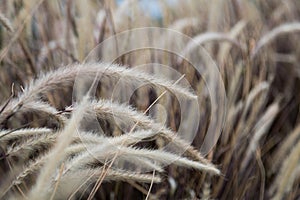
{"type": "Point", "coordinates": [288, 173]}
{"type": "Point", "coordinates": [282, 29]}
{"type": "Point", "coordinates": [6, 23]}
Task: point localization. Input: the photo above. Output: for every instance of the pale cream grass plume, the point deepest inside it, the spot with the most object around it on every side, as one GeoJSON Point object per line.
{"type": "Point", "coordinates": [31, 145]}
{"type": "Point", "coordinates": [94, 152]}
{"type": "Point", "coordinates": [285, 148]}
{"type": "Point", "coordinates": [207, 37]}
{"type": "Point", "coordinates": [77, 148]}
{"type": "Point", "coordinates": [132, 75]}
{"type": "Point", "coordinates": [104, 152]}
{"type": "Point", "coordinates": [132, 137]}
{"type": "Point", "coordinates": [246, 122]}
{"type": "Point", "coordinates": [29, 169]}
{"type": "Point", "coordinates": [148, 164]}
{"type": "Point", "coordinates": [35, 165]}
{"type": "Point", "coordinates": [93, 138]}
{"type": "Point", "coordinates": [65, 77]}
{"type": "Point", "coordinates": [232, 116]}
{"type": "Point", "coordinates": [260, 129]}
{"type": "Point", "coordinates": [6, 135]}
{"type": "Point", "coordinates": [39, 107]}
{"type": "Point", "coordinates": [57, 153]}
{"type": "Point", "coordinates": [124, 175]}
{"type": "Point", "coordinates": [90, 141]}
{"type": "Point", "coordinates": [167, 158]}
{"type": "Point", "coordinates": [80, 150]}
{"type": "Point", "coordinates": [287, 174]}
{"type": "Point", "coordinates": [83, 148]}
{"type": "Point", "coordinates": [45, 135]}
{"type": "Point", "coordinates": [74, 182]}
{"type": "Point", "coordinates": [85, 139]}
{"type": "Point", "coordinates": [279, 30]}
{"type": "Point", "coordinates": [233, 33]}
{"type": "Point", "coordinates": [180, 26]}
{"type": "Point", "coordinates": [121, 113]}
{"type": "Point", "coordinates": [125, 139]}
{"type": "Point", "coordinates": [136, 163]}
{"type": "Point", "coordinates": [108, 143]}
{"type": "Point", "coordinates": [6, 23]}
{"type": "Point", "coordinates": [32, 167]}
{"type": "Point", "coordinates": [258, 89]}
{"type": "Point", "coordinates": [88, 138]}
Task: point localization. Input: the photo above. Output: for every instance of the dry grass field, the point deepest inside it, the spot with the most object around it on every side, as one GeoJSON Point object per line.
{"type": "Point", "coordinates": [204, 104]}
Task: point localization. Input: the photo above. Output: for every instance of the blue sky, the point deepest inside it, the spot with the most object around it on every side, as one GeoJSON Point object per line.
{"type": "Point", "coordinates": [152, 8]}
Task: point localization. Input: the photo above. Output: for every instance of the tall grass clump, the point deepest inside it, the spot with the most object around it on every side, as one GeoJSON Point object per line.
{"type": "Point", "coordinates": [69, 129]}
